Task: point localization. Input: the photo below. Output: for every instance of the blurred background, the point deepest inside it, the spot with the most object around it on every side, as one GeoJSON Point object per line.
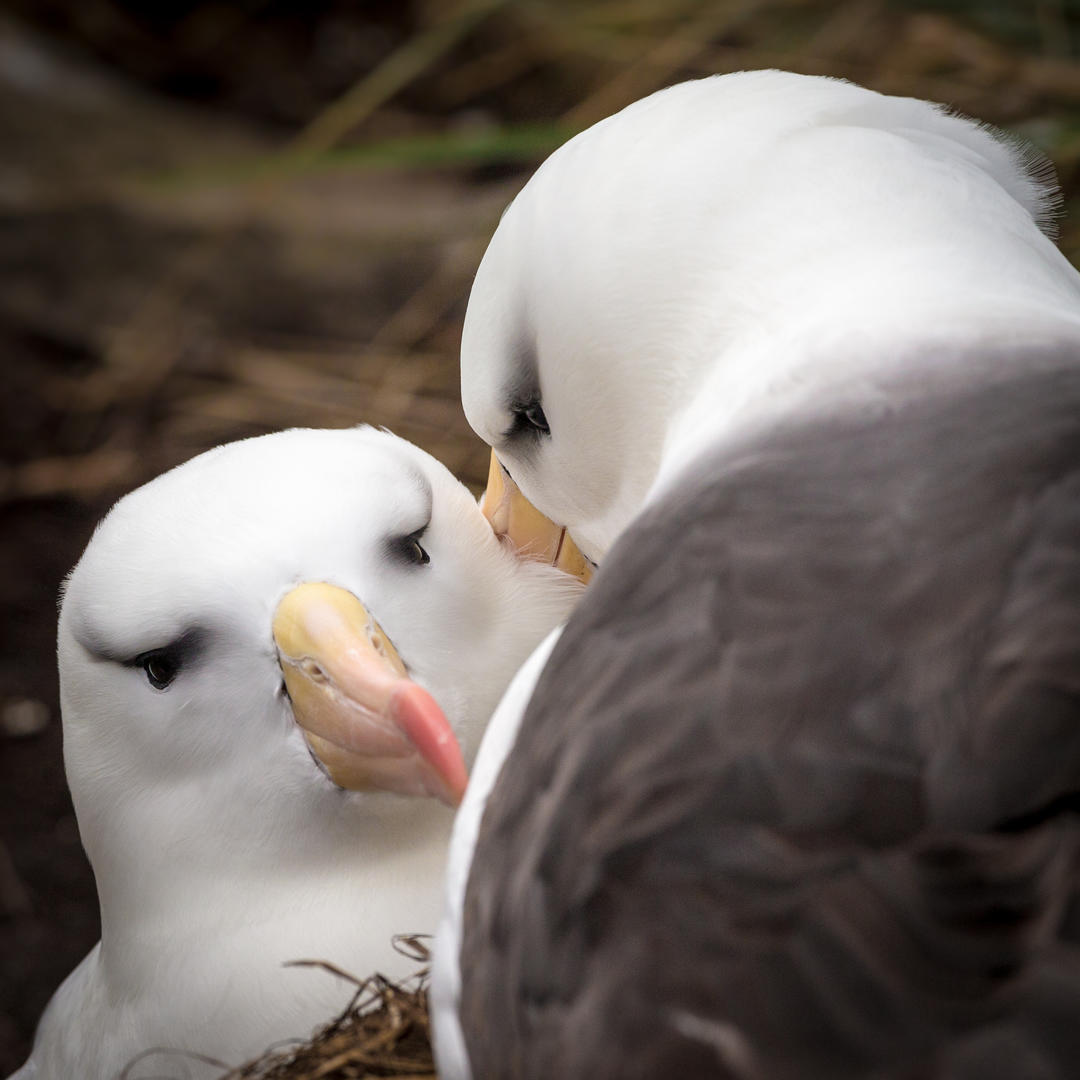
{"type": "Point", "coordinates": [218, 219]}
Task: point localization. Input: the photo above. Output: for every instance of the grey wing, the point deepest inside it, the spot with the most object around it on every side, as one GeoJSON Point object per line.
{"type": "Point", "coordinates": [797, 794]}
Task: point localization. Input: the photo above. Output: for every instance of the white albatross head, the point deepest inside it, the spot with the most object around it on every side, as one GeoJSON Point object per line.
{"type": "Point", "coordinates": [220, 632]}
{"type": "Point", "coordinates": [695, 251]}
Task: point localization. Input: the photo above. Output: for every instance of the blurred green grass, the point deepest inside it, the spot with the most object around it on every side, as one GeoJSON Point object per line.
{"type": "Point", "coordinates": [509, 145]}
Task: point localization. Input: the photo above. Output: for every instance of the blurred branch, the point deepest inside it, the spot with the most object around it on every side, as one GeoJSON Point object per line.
{"type": "Point", "coordinates": [399, 69]}
{"type": "Point", "coordinates": [85, 475]}
{"type": "Point", "coordinates": [661, 61]}
{"type": "Point", "coordinates": [490, 70]}
{"type": "Point", "coordinates": [424, 309]}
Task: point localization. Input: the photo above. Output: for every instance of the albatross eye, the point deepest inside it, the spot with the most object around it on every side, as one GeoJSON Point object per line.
{"type": "Point", "coordinates": [527, 419]}
{"type": "Point", "coordinates": [417, 553]}
{"type": "Point", "coordinates": [410, 549]}
{"type": "Point", "coordinates": [534, 416]}
{"type": "Point", "coordinates": [161, 667]}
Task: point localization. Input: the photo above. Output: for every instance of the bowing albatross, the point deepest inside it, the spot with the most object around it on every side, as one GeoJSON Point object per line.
{"type": "Point", "coordinates": [794, 795]}
{"type": "Point", "coordinates": [250, 653]}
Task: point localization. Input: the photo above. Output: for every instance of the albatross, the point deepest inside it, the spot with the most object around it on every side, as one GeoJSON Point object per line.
{"type": "Point", "coordinates": [794, 793]}
{"type": "Point", "coordinates": [275, 661]}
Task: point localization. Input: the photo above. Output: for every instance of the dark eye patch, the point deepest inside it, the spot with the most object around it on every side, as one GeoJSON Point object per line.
{"type": "Point", "coordinates": [161, 666]}
{"type": "Point", "coordinates": [522, 391]}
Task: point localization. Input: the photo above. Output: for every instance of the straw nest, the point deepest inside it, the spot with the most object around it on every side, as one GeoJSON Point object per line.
{"type": "Point", "coordinates": [384, 1031]}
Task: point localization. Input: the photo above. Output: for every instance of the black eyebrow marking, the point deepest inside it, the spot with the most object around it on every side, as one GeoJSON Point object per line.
{"type": "Point", "coordinates": [182, 650]}
{"type": "Point", "coordinates": [185, 647]}
{"type": "Point", "coordinates": [522, 388]}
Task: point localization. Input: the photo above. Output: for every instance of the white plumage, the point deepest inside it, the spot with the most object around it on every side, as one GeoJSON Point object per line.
{"type": "Point", "coordinates": [220, 847]}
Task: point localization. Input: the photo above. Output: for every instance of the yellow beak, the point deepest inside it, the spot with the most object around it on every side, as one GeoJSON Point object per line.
{"type": "Point", "coordinates": [371, 726]}
{"type": "Point", "coordinates": [532, 534]}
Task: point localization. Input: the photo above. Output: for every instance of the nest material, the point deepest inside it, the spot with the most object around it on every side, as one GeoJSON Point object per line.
{"type": "Point", "coordinates": [384, 1031]}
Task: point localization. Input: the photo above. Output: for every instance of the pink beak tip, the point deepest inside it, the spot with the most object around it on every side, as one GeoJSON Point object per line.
{"type": "Point", "coordinates": [424, 723]}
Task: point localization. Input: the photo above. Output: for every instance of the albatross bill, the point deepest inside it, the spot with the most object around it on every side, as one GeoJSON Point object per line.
{"type": "Point", "coordinates": [532, 533]}
{"type": "Point", "coordinates": [368, 724]}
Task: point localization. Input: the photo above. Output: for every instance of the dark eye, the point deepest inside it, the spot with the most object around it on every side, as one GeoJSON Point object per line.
{"type": "Point", "coordinates": [161, 667]}
{"type": "Point", "coordinates": [417, 553]}
{"type": "Point", "coordinates": [410, 549]}
{"type": "Point", "coordinates": [533, 415]}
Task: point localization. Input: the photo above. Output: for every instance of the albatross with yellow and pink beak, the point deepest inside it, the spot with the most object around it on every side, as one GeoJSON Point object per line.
{"type": "Point", "coordinates": [276, 662]}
